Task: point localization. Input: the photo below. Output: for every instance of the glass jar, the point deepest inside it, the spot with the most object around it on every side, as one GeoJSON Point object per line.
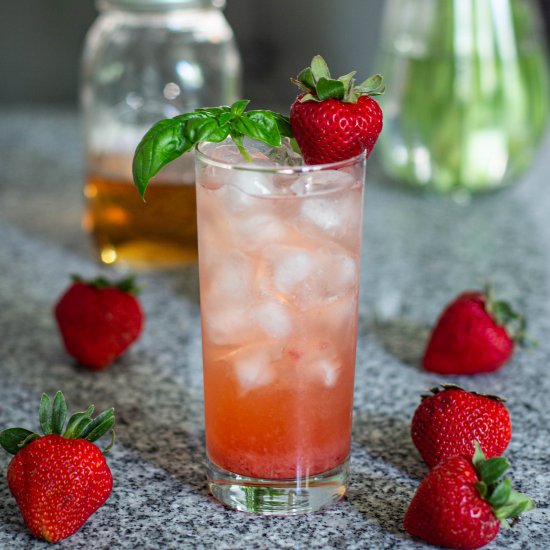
{"type": "Point", "coordinates": [145, 60]}
{"type": "Point", "coordinates": [468, 96]}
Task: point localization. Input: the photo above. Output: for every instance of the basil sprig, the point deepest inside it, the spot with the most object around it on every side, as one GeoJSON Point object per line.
{"type": "Point", "coordinates": [170, 138]}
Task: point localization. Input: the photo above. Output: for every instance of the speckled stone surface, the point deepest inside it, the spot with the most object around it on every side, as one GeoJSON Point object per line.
{"type": "Point", "coordinates": [419, 252]}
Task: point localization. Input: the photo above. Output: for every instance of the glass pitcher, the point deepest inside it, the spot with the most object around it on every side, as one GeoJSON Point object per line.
{"type": "Point", "coordinates": [467, 100]}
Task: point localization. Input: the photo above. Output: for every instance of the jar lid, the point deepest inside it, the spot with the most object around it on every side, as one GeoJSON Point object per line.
{"type": "Point", "coordinates": [162, 4]}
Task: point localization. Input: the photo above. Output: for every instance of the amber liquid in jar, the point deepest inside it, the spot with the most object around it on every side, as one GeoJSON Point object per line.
{"type": "Point", "coordinates": [156, 234]}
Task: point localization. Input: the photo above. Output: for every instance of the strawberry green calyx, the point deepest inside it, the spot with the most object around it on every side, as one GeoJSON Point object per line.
{"type": "Point", "coordinates": [127, 284]}
{"type": "Point", "coordinates": [170, 138]}
{"type": "Point", "coordinates": [505, 316]}
{"type": "Point", "coordinates": [318, 84]}
{"type": "Point", "coordinates": [52, 417]}
{"type": "Point", "coordinates": [444, 387]}
{"type": "Point", "coordinates": [505, 502]}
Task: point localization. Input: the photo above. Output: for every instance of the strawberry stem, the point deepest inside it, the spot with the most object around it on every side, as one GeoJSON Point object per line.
{"type": "Point", "coordinates": [126, 285]}
{"type": "Point", "coordinates": [112, 442]}
{"type": "Point", "coordinates": [444, 387]}
{"type": "Point", "coordinates": [506, 503]}
{"type": "Point", "coordinates": [504, 315]}
{"type": "Point", "coordinates": [319, 85]}
{"type": "Point", "coordinates": [78, 422]}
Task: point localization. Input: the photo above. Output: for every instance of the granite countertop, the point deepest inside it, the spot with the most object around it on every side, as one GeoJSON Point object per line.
{"type": "Point", "coordinates": [419, 252]}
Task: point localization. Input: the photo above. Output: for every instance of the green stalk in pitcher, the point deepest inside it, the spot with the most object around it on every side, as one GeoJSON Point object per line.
{"type": "Point", "coordinates": [468, 113]}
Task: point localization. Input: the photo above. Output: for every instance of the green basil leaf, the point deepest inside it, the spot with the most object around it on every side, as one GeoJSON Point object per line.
{"type": "Point", "coordinates": [192, 130]}
{"type": "Point", "coordinates": [159, 146]}
{"type": "Point", "coordinates": [211, 111]}
{"type": "Point", "coordinates": [258, 125]}
{"type": "Point", "coordinates": [224, 118]}
{"type": "Point", "coordinates": [283, 123]}
{"type": "Point", "coordinates": [170, 138]}
{"type": "Point", "coordinates": [208, 129]}
{"type": "Point", "coordinates": [239, 106]}
{"type": "Point", "coordinates": [162, 144]}
{"type": "Point", "coordinates": [238, 140]}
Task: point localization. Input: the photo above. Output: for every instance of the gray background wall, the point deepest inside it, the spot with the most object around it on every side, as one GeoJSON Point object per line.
{"type": "Point", "coordinates": [41, 41]}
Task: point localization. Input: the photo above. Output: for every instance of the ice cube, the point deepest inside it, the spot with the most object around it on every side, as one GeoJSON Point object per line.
{"type": "Point", "coordinates": [324, 213]}
{"type": "Point", "coordinates": [230, 279]}
{"type": "Point", "coordinates": [253, 368]}
{"type": "Point", "coordinates": [242, 186]}
{"type": "Point", "coordinates": [337, 314]}
{"type": "Point", "coordinates": [341, 273]}
{"type": "Point", "coordinates": [227, 324]}
{"type": "Point", "coordinates": [311, 278]}
{"type": "Point", "coordinates": [227, 152]}
{"type": "Point", "coordinates": [253, 182]}
{"type": "Point", "coordinates": [327, 371]}
{"type": "Point", "coordinates": [322, 182]}
{"type": "Point", "coordinates": [338, 215]}
{"type": "Point", "coordinates": [285, 154]}
{"type": "Point", "coordinates": [321, 363]}
{"type": "Point", "coordinates": [274, 319]}
{"type": "Point", "coordinates": [259, 230]}
{"type": "Point", "coordinates": [292, 269]}
{"type": "Point", "coordinates": [239, 184]}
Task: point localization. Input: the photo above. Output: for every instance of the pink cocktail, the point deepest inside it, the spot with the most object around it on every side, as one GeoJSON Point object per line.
{"type": "Point", "coordinates": [279, 257]}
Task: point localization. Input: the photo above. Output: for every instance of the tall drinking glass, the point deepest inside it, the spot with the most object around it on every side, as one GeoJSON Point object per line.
{"type": "Point", "coordinates": [279, 257]}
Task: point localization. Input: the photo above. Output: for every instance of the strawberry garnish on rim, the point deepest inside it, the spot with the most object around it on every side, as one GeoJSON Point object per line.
{"type": "Point", "coordinates": [333, 119]}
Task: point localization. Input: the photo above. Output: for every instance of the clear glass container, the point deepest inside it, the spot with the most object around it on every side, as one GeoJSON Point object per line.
{"type": "Point", "coordinates": [145, 60]}
{"type": "Point", "coordinates": [467, 99]}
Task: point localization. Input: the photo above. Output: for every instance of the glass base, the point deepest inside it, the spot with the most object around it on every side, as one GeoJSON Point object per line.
{"type": "Point", "coordinates": [278, 496]}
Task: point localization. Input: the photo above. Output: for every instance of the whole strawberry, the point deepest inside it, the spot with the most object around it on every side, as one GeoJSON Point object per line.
{"type": "Point", "coordinates": [99, 320]}
{"type": "Point", "coordinates": [462, 503]}
{"type": "Point", "coordinates": [61, 478]}
{"type": "Point", "coordinates": [333, 119]}
{"type": "Point", "coordinates": [449, 419]}
{"type": "Point", "coordinates": [474, 334]}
